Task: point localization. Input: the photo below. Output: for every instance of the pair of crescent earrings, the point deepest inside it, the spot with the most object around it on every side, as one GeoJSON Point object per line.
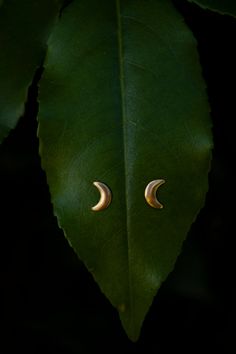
{"type": "Point", "coordinates": [149, 194]}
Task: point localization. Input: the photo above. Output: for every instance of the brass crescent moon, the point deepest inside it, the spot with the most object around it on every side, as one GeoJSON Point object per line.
{"type": "Point", "coordinates": [105, 197]}
{"type": "Point", "coordinates": [150, 193]}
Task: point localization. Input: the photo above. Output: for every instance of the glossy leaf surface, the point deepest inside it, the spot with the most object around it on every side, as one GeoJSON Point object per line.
{"type": "Point", "coordinates": [222, 6]}
{"type": "Point", "coordinates": [24, 30]}
{"type": "Point", "coordinates": [122, 101]}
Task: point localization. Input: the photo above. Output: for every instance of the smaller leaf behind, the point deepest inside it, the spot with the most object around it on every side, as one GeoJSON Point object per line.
{"type": "Point", "coordinates": [227, 7]}
{"type": "Point", "coordinates": [24, 30]}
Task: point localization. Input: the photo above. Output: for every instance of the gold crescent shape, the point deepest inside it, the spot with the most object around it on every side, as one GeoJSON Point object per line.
{"type": "Point", "coordinates": [105, 197]}
{"type": "Point", "coordinates": [150, 193]}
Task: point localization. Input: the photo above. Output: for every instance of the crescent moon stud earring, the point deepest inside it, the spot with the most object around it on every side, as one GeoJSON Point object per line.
{"type": "Point", "coordinates": [105, 196]}
{"type": "Point", "coordinates": [151, 191]}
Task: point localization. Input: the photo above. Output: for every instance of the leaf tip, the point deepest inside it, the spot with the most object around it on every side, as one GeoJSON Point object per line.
{"type": "Point", "coordinates": [132, 328]}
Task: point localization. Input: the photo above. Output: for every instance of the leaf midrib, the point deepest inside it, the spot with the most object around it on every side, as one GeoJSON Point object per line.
{"type": "Point", "coordinates": [122, 93]}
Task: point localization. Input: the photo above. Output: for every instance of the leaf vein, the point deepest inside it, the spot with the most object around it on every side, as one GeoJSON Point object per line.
{"type": "Point", "coordinates": [122, 87]}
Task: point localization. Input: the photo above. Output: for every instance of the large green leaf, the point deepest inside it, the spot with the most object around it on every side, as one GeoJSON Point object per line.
{"type": "Point", "coordinates": [122, 101]}
{"type": "Point", "coordinates": [24, 30]}
{"type": "Point", "coordinates": [223, 6]}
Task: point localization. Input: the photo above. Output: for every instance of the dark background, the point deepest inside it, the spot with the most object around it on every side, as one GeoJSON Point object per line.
{"type": "Point", "coordinates": [49, 303]}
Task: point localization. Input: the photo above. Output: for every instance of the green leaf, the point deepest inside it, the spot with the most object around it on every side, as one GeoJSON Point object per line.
{"type": "Point", "coordinates": [24, 30]}
{"type": "Point", "coordinates": [122, 101]}
{"type": "Point", "coordinates": [222, 6]}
